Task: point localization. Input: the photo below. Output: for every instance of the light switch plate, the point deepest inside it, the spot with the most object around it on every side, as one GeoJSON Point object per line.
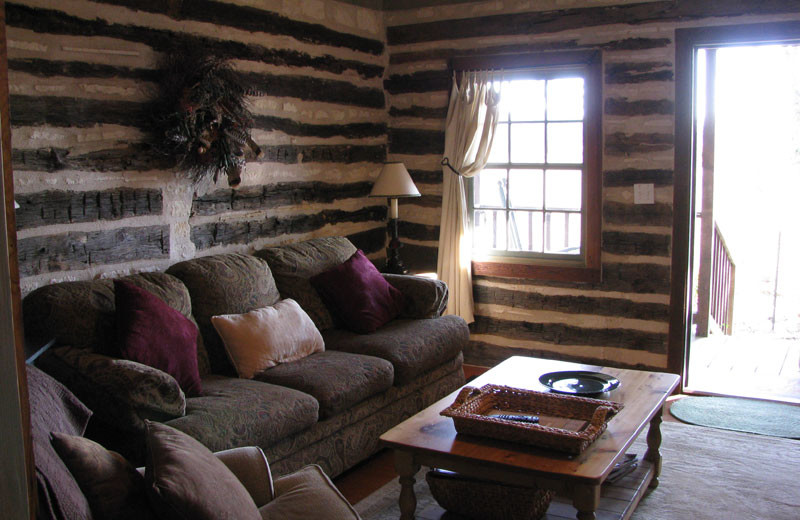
{"type": "Point", "coordinates": [644, 194]}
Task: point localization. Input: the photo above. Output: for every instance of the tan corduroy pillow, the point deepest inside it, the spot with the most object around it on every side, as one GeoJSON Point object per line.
{"type": "Point", "coordinates": [266, 337]}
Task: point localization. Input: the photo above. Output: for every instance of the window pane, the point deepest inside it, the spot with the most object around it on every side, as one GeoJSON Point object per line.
{"type": "Point", "coordinates": [499, 152]}
{"type": "Point", "coordinates": [524, 99]}
{"type": "Point", "coordinates": [490, 189]}
{"type": "Point", "coordinates": [489, 231]}
{"type": "Point", "coordinates": [563, 233]}
{"type": "Point", "coordinates": [527, 143]}
{"type": "Point", "coordinates": [565, 143]}
{"type": "Point", "coordinates": [565, 99]}
{"type": "Point", "coordinates": [525, 231]}
{"type": "Point", "coordinates": [563, 189]}
{"type": "Point", "coordinates": [526, 189]}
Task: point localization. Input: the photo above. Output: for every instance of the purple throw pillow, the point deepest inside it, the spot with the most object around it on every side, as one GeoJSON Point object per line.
{"type": "Point", "coordinates": [358, 295]}
{"type": "Point", "coordinates": [152, 333]}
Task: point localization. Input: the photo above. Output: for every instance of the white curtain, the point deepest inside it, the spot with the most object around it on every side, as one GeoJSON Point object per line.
{"type": "Point", "coordinates": [471, 123]}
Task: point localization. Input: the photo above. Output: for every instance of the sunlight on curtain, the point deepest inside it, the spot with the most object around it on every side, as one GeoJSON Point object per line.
{"type": "Point", "coordinates": [469, 132]}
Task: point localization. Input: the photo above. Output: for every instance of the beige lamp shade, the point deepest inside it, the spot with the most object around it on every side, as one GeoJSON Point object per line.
{"type": "Point", "coordinates": [394, 181]}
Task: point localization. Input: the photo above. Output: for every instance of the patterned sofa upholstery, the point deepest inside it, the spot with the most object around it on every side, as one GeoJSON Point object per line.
{"type": "Point", "coordinates": [328, 408]}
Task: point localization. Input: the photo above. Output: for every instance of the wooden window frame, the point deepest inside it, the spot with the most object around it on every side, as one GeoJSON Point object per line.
{"type": "Point", "coordinates": [586, 269]}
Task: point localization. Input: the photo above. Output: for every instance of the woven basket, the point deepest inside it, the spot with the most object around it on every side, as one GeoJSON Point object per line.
{"type": "Point", "coordinates": [470, 414]}
{"type": "Point", "coordinates": [483, 500]}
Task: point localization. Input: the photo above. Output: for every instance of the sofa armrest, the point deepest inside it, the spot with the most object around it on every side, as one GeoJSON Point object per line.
{"type": "Point", "coordinates": [250, 466]}
{"type": "Point", "coordinates": [425, 298]}
{"type": "Point", "coordinates": [121, 392]}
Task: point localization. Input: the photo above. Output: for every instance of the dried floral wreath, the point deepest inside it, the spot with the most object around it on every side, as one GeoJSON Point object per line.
{"type": "Point", "coordinates": [200, 116]}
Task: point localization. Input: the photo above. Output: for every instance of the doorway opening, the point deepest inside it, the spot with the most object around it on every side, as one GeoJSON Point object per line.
{"type": "Point", "coordinates": [744, 336]}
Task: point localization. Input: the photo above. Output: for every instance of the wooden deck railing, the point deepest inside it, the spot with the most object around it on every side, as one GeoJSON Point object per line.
{"type": "Point", "coordinates": [723, 276]}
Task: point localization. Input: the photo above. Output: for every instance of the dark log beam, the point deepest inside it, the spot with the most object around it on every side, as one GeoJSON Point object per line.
{"type": "Point", "coordinates": [630, 176]}
{"type": "Point", "coordinates": [317, 89]}
{"type": "Point", "coordinates": [560, 334]}
{"type": "Point", "coordinates": [49, 207]}
{"type": "Point", "coordinates": [642, 107]}
{"type": "Point", "coordinates": [276, 195]}
{"type": "Point", "coordinates": [57, 22]}
{"type": "Point", "coordinates": [413, 141]}
{"type": "Point", "coordinates": [418, 82]}
{"type": "Point", "coordinates": [135, 157]}
{"type": "Point", "coordinates": [420, 112]}
{"type": "Point", "coordinates": [616, 307]}
{"type": "Point", "coordinates": [637, 214]}
{"type": "Point", "coordinates": [426, 176]}
{"type": "Point", "coordinates": [646, 244]}
{"type": "Point", "coordinates": [622, 144]}
{"type": "Point", "coordinates": [627, 44]}
{"type": "Point", "coordinates": [488, 355]}
{"type": "Point", "coordinates": [370, 241]}
{"type": "Point", "coordinates": [213, 234]}
{"type": "Point", "coordinates": [252, 19]}
{"type": "Point", "coordinates": [638, 72]}
{"type": "Point", "coordinates": [636, 278]}
{"type": "Point", "coordinates": [425, 201]}
{"type": "Point", "coordinates": [292, 127]}
{"type": "Point", "coordinates": [421, 232]}
{"type": "Point", "coordinates": [541, 22]}
{"type": "Point", "coordinates": [82, 250]}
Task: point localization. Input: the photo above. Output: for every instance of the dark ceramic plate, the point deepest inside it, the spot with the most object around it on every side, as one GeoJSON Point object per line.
{"type": "Point", "coordinates": [579, 382]}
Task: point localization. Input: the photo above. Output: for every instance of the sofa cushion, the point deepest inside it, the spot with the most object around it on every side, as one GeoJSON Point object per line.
{"type": "Point", "coordinates": [337, 380]}
{"type": "Point", "coordinates": [186, 481]}
{"type": "Point", "coordinates": [120, 392]}
{"type": "Point", "coordinates": [412, 346]}
{"type": "Point", "coordinates": [110, 483]}
{"type": "Point", "coordinates": [358, 295]}
{"type": "Point", "coordinates": [263, 338]}
{"type": "Point", "coordinates": [308, 489]}
{"type": "Point", "coordinates": [236, 412]}
{"type": "Point", "coordinates": [225, 284]}
{"type": "Point", "coordinates": [82, 314]}
{"type": "Point", "coordinates": [152, 333]}
{"type": "Point", "coordinates": [425, 298]}
{"type": "Point", "coordinates": [54, 409]}
{"type": "Point", "coordinates": [294, 264]}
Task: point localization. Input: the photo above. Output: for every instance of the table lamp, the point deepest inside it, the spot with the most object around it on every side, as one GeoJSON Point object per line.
{"type": "Point", "coordinates": [394, 182]}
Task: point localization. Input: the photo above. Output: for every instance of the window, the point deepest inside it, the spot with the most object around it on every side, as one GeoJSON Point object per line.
{"type": "Point", "coordinates": [534, 208]}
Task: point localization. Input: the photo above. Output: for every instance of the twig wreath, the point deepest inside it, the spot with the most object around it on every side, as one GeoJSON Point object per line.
{"type": "Point", "coordinates": [201, 118]}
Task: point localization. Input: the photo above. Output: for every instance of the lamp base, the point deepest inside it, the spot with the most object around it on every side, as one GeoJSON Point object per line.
{"type": "Point", "coordinates": [393, 263]}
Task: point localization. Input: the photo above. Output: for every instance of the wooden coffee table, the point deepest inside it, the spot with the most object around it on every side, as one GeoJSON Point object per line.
{"type": "Point", "coordinates": [429, 439]}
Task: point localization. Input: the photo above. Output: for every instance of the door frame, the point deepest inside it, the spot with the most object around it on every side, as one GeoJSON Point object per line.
{"type": "Point", "coordinates": [687, 41]}
{"type": "Point", "coordinates": [18, 483]}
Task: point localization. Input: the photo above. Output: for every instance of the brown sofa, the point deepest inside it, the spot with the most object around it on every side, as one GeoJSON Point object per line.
{"type": "Point", "coordinates": [328, 408]}
{"type": "Point", "coordinates": [65, 495]}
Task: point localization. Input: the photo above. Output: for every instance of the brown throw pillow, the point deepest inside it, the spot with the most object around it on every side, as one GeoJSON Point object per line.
{"type": "Point", "coordinates": [186, 481]}
{"type": "Point", "coordinates": [113, 487]}
{"type": "Point", "coordinates": [266, 337]}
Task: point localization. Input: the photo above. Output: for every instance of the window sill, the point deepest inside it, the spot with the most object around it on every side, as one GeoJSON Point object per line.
{"type": "Point", "coordinates": [536, 272]}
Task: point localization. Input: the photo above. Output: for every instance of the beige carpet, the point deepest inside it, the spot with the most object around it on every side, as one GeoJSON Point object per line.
{"type": "Point", "coordinates": [708, 474]}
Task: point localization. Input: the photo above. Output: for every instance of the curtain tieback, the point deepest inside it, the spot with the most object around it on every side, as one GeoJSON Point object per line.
{"type": "Point", "coordinates": [446, 162]}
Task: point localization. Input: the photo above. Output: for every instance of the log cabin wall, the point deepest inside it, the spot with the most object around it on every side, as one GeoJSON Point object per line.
{"type": "Point", "coordinates": [622, 320]}
{"type": "Point", "coordinates": [96, 203]}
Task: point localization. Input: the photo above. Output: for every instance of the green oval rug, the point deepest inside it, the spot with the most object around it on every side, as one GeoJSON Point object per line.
{"type": "Point", "coordinates": [744, 415]}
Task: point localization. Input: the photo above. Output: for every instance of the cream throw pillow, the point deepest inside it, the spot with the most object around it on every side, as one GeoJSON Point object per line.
{"type": "Point", "coordinates": [266, 337]}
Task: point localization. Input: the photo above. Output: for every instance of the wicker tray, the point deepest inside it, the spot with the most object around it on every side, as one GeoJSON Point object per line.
{"type": "Point", "coordinates": [582, 419]}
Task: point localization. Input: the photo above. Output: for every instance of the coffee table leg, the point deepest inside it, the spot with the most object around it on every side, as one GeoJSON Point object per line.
{"type": "Point", "coordinates": [586, 499]}
{"type": "Point", "coordinates": [653, 444]}
{"type": "Point", "coordinates": [407, 468]}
